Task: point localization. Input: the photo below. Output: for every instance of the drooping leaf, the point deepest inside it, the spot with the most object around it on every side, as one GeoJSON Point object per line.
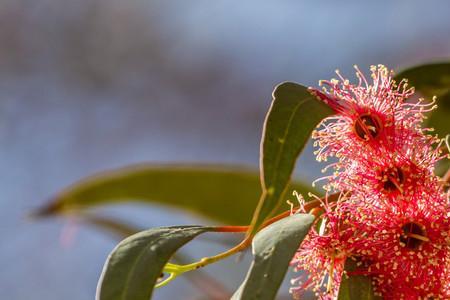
{"type": "Point", "coordinates": [273, 248]}
{"type": "Point", "coordinates": [226, 194]}
{"type": "Point", "coordinates": [134, 266]}
{"type": "Point", "coordinates": [293, 115]}
{"type": "Point", "coordinates": [121, 230]}
{"type": "Point", "coordinates": [433, 80]}
{"type": "Point", "coordinates": [355, 287]}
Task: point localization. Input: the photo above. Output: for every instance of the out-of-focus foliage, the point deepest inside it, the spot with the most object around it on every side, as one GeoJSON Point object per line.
{"type": "Point", "coordinates": [433, 80]}
{"type": "Point", "coordinates": [226, 194]}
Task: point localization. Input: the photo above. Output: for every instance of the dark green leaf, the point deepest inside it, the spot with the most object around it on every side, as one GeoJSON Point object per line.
{"type": "Point", "coordinates": [355, 287]}
{"type": "Point", "coordinates": [442, 167]}
{"type": "Point", "coordinates": [273, 249]}
{"type": "Point", "coordinates": [293, 115]}
{"type": "Point", "coordinates": [429, 79]}
{"type": "Point", "coordinates": [439, 118]}
{"type": "Point", "coordinates": [223, 193]}
{"type": "Point", "coordinates": [433, 80]}
{"type": "Point", "coordinates": [198, 279]}
{"type": "Point", "coordinates": [134, 266]}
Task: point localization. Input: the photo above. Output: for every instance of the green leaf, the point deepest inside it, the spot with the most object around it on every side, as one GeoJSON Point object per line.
{"type": "Point", "coordinates": [134, 266]}
{"type": "Point", "coordinates": [433, 80]}
{"type": "Point", "coordinates": [439, 119]}
{"type": "Point", "coordinates": [355, 287]}
{"type": "Point", "coordinates": [429, 79]}
{"type": "Point", "coordinates": [273, 249]}
{"type": "Point", "coordinates": [197, 279]}
{"type": "Point", "coordinates": [293, 115]}
{"type": "Point", "coordinates": [227, 194]}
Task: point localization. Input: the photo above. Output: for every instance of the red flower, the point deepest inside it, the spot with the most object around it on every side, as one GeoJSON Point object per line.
{"type": "Point", "coordinates": [390, 178]}
{"type": "Point", "coordinates": [407, 247]}
{"type": "Point", "coordinates": [395, 219]}
{"type": "Point", "coordinates": [369, 117]}
{"type": "Point", "coordinates": [322, 254]}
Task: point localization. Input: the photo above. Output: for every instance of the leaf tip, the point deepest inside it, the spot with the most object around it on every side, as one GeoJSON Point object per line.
{"type": "Point", "coordinates": [285, 85]}
{"type": "Point", "coordinates": [47, 210]}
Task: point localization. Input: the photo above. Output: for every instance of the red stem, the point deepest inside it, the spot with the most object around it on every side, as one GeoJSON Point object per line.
{"type": "Point", "coordinates": [312, 207]}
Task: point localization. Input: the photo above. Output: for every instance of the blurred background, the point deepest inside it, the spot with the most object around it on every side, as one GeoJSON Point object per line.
{"type": "Point", "coordinates": [90, 85]}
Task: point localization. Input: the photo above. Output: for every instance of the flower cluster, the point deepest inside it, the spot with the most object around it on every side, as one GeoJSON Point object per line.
{"type": "Point", "coordinates": [391, 213]}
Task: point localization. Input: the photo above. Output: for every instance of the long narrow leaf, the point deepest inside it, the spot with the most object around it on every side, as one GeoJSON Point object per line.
{"type": "Point", "coordinates": [227, 194]}
{"type": "Point", "coordinates": [293, 115]}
